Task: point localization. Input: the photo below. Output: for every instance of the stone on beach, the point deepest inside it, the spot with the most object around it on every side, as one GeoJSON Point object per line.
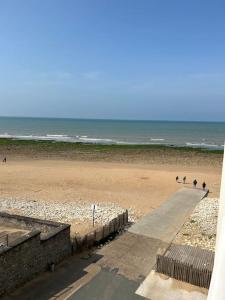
{"type": "Point", "coordinates": [200, 229]}
{"type": "Point", "coordinates": [63, 211]}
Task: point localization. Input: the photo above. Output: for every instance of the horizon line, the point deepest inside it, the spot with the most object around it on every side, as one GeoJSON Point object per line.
{"type": "Point", "coordinates": [112, 119]}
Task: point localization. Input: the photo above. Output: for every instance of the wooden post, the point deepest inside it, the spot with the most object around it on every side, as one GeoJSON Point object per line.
{"type": "Point", "coordinates": [93, 206]}
{"type": "Point", "coordinates": [93, 217]}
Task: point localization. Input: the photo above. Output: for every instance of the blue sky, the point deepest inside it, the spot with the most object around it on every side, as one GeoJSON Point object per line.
{"type": "Point", "coordinates": [126, 59]}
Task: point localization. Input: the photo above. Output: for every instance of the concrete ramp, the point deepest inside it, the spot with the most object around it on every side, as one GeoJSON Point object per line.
{"type": "Point", "coordinates": [164, 222]}
{"type": "Point", "coordinates": [133, 254]}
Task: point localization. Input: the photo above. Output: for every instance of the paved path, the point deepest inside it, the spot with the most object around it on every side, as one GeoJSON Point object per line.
{"type": "Point", "coordinates": [129, 259]}
{"type": "Point", "coordinates": [120, 266]}
{"type": "Point", "coordinates": [164, 222]}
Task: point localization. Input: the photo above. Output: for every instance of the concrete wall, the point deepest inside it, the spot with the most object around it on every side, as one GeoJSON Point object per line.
{"type": "Point", "coordinates": [32, 253]}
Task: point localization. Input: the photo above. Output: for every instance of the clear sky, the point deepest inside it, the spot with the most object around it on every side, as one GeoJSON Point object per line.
{"type": "Point", "coordinates": [126, 59]}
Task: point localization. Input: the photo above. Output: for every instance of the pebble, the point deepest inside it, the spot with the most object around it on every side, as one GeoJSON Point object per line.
{"type": "Point", "coordinates": [66, 211]}
{"type": "Point", "coordinates": [200, 229]}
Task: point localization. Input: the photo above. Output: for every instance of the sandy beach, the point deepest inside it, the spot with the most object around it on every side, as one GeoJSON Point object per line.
{"type": "Point", "coordinates": [140, 185]}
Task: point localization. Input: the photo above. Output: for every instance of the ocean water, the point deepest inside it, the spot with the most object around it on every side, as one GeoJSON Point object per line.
{"type": "Point", "coordinates": [192, 134]}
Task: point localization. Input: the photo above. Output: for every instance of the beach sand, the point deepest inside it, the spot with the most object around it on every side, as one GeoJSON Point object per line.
{"type": "Point", "coordinates": [140, 186]}
{"type": "Point", "coordinates": [137, 180]}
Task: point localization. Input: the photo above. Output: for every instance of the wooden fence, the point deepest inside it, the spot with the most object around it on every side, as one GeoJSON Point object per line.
{"type": "Point", "coordinates": [185, 263]}
{"type": "Point", "coordinates": [100, 233]}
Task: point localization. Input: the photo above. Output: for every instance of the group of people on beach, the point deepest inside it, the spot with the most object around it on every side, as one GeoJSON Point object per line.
{"type": "Point", "coordinates": [195, 182]}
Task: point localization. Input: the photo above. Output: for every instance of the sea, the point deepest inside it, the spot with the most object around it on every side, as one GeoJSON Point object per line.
{"type": "Point", "coordinates": [210, 135]}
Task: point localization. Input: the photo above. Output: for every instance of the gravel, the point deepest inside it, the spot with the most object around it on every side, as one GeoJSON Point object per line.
{"type": "Point", "coordinates": [200, 229]}
{"type": "Point", "coordinates": [63, 211]}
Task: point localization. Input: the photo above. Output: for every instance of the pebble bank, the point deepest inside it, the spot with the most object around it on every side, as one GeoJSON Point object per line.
{"type": "Point", "coordinates": [200, 229]}
{"type": "Point", "coordinates": [63, 211]}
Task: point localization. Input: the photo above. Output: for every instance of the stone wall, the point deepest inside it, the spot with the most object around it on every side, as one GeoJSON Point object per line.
{"type": "Point", "coordinates": [27, 223]}
{"type": "Point", "coordinates": [47, 242]}
{"type": "Point", "coordinates": [31, 253]}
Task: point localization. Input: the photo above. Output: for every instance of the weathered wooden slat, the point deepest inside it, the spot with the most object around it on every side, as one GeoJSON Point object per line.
{"type": "Point", "coordinates": [186, 263]}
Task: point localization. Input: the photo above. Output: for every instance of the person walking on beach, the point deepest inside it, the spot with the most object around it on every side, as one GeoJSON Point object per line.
{"type": "Point", "coordinates": [4, 160]}
{"type": "Point", "coordinates": [177, 178]}
{"type": "Point", "coordinates": [195, 183]}
{"type": "Point", "coordinates": [204, 185]}
{"type": "Point", "coordinates": [184, 180]}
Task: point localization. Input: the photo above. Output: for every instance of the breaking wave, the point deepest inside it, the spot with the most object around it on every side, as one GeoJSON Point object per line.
{"type": "Point", "coordinates": [103, 140]}
{"type": "Point", "coordinates": [204, 145]}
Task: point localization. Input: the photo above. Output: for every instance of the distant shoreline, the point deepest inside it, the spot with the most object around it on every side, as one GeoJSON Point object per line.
{"type": "Point", "coordinates": [158, 142]}
{"type": "Point", "coordinates": [205, 135]}
{"type": "Point", "coordinates": [113, 119]}
{"type": "Point", "coordinates": [146, 155]}
{"type": "Point", "coordinates": [49, 142]}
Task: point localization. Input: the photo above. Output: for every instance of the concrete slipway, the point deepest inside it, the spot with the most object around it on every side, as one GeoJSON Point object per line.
{"type": "Point", "coordinates": [128, 260]}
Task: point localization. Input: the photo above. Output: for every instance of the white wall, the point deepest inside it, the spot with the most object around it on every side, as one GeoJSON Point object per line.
{"type": "Point", "coordinates": [217, 286]}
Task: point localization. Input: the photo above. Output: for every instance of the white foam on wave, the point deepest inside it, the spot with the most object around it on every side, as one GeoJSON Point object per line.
{"type": "Point", "coordinates": [157, 140]}
{"type": "Point", "coordinates": [125, 143]}
{"type": "Point", "coordinates": [202, 145]}
{"type": "Point", "coordinates": [56, 135]}
{"type": "Point", "coordinates": [5, 135]}
{"type": "Point", "coordinates": [47, 137]}
{"type": "Point", "coordinates": [96, 140]}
